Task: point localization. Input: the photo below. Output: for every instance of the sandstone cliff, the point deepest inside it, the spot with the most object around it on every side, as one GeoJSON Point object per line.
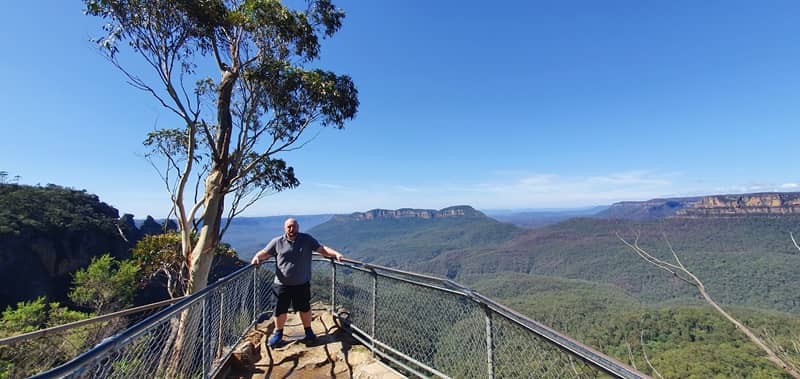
{"type": "Point", "coordinates": [770, 203]}
{"type": "Point", "coordinates": [456, 211]}
{"type": "Point", "coordinates": [767, 203]}
{"type": "Point", "coordinates": [46, 234]}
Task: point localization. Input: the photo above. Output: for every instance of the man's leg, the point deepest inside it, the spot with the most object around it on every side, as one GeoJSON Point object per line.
{"type": "Point", "coordinates": [280, 321]}
{"type": "Point", "coordinates": [302, 305]}
{"type": "Point", "coordinates": [304, 316]}
{"type": "Point", "coordinates": [282, 299]}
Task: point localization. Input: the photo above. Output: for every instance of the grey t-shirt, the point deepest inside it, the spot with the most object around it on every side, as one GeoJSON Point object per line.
{"type": "Point", "coordinates": [292, 259]}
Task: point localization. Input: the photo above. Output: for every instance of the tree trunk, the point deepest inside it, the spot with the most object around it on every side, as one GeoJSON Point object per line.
{"type": "Point", "coordinates": [202, 254]}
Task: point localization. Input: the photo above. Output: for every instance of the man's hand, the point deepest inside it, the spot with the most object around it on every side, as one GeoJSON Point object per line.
{"type": "Point", "coordinates": [338, 256]}
{"type": "Point", "coordinates": [255, 260]}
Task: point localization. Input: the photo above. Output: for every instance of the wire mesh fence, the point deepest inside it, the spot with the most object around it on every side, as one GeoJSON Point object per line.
{"type": "Point", "coordinates": [27, 355]}
{"type": "Point", "coordinates": [434, 327]}
{"type": "Point", "coordinates": [427, 327]}
{"type": "Point", "coordinates": [518, 353]}
{"type": "Point", "coordinates": [191, 339]}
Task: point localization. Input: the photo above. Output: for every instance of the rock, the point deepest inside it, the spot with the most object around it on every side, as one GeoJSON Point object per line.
{"type": "Point", "coordinates": [246, 355]}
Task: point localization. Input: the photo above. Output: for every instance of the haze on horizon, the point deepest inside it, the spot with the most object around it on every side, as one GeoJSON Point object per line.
{"type": "Point", "coordinates": [528, 105]}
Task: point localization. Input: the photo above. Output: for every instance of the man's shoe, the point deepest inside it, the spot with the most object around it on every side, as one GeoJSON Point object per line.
{"type": "Point", "coordinates": [275, 339]}
{"type": "Point", "coordinates": [310, 336]}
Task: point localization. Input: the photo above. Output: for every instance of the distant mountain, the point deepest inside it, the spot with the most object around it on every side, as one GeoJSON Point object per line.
{"type": "Point", "coordinates": [249, 234]}
{"type": "Point", "coordinates": [647, 210]}
{"type": "Point", "coordinates": [404, 237]}
{"type": "Point", "coordinates": [747, 260]}
{"type": "Point", "coordinates": [766, 203]}
{"type": "Point", "coordinates": [536, 219]}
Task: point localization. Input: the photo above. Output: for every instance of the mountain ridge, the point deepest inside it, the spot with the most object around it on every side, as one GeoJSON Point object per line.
{"type": "Point", "coordinates": [723, 205]}
{"type": "Point", "coordinates": [378, 213]}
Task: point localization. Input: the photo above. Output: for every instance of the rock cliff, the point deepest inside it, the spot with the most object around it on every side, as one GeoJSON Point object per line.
{"type": "Point", "coordinates": [375, 214]}
{"type": "Point", "coordinates": [46, 234]}
{"type": "Point", "coordinates": [767, 203]}
{"type": "Point", "coordinates": [771, 203]}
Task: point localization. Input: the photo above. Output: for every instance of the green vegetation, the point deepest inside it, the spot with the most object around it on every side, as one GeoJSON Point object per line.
{"type": "Point", "coordinates": [268, 91]}
{"type": "Point", "coordinates": [107, 285]}
{"type": "Point", "coordinates": [27, 210]}
{"type": "Point", "coordinates": [160, 255]}
{"type": "Point", "coordinates": [746, 261]}
{"type": "Point", "coordinates": [25, 358]}
{"type": "Point", "coordinates": [682, 341]}
{"type": "Point", "coordinates": [47, 233]}
{"type": "Point", "coordinates": [580, 279]}
{"type": "Point", "coordinates": [402, 242]}
{"type": "Point", "coordinates": [29, 316]}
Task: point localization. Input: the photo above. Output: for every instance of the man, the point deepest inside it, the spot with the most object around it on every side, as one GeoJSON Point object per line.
{"type": "Point", "coordinates": [292, 252]}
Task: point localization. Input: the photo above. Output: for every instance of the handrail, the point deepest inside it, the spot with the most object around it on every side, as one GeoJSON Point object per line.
{"type": "Point", "coordinates": [136, 330]}
{"type": "Point", "coordinates": [58, 328]}
{"type": "Point", "coordinates": [592, 356]}
{"type": "Point", "coordinates": [561, 342]}
{"type": "Point", "coordinates": [609, 365]}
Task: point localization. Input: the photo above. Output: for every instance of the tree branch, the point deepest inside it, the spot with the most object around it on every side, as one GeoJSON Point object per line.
{"type": "Point", "coordinates": [771, 356]}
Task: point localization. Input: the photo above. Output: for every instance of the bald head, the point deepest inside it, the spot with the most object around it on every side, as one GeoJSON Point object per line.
{"type": "Point", "coordinates": [291, 228]}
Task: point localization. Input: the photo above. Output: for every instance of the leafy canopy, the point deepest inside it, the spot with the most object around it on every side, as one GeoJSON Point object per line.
{"type": "Point", "coordinates": [227, 151]}
{"type": "Point", "coordinates": [106, 285]}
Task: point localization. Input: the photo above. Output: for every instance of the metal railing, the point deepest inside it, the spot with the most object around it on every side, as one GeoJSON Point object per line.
{"type": "Point", "coordinates": [28, 354]}
{"type": "Point", "coordinates": [435, 327]}
{"type": "Point", "coordinates": [426, 325]}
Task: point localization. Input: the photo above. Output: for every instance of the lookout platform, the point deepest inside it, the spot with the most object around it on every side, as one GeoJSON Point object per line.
{"type": "Point", "coordinates": [335, 354]}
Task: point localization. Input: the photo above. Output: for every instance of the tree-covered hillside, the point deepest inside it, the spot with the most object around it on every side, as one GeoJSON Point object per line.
{"type": "Point", "coordinates": [46, 233]}
{"type": "Point", "coordinates": [579, 278]}
{"type": "Point", "coordinates": [681, 341]}
{"type": "Point", "coordinates": [747, 261]}
{"type": "Point", "coordinates": [403, 242]}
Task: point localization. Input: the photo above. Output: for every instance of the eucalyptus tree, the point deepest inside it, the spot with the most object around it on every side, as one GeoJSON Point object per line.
{"type": "Point", "coordinates": [237, 76]}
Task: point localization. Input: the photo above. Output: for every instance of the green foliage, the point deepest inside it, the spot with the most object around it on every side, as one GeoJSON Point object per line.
{"type": "Point", "coordinates": [748, 261]}
{"type": "Point", "coordinates": [404, 242]}
{"type": "Point", "coordinates": [43, 210]}
{"type": "Point", "coordinates": [234, 128]}
{"type": "Point", "coordinates": [106, 285]}
{"type": "Point", "coordinates": [681, 341]}
{"type": "Point", "coordinates": [161, 254]}
{"type": "Point", "coordinates": [29, 316]}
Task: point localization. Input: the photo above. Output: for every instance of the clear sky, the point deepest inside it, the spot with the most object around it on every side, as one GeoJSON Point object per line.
{"type": "Point", "coordinates": [514, 104]}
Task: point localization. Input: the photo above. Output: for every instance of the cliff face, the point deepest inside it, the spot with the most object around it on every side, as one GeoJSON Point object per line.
{"type": "Point", "coordinates": [46, 234]}
{"type": "Point", "coordinates": [747, 204]}
{"type": "Point", "coordinates": [769, 203]}
{"type": "Point", "coordinates": [405, 213]}
{"type": "Point", "coordinates": [647, 210]}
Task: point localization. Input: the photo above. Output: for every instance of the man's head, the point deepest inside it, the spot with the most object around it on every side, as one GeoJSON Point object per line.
{"type": "Point", "coordinates": [291, 228]}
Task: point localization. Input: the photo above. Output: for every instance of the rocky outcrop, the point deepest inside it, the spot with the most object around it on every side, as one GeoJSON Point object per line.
{"type": "Point", "coordinates": [647, 210]}
{"type": "Point", "coordinates": [46, 234]}
{"type": "Point", "coordinates": [768, 203]}
{"type": "Point", "coordinates": [404, 213]}
{"type": "Point", "coordinates": [748, 204]}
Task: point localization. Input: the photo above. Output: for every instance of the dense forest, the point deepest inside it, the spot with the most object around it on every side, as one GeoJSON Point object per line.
{"type": "Point", "coordinates": [575, 276]}
{"type": "Point", "coordinates": [578, 277]}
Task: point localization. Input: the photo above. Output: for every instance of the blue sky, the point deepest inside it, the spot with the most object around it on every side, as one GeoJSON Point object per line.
{"type": "Point", "coordinates": [519, 104]}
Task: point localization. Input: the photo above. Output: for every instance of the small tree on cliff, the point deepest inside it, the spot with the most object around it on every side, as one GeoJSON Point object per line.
{"type": "Point", "coordinates": [225, 154]}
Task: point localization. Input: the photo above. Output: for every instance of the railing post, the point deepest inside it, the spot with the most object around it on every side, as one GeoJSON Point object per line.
{"type": "Point", "coordinates": [333, 287]}
{"type": "Point", "coordinates": [219, 331]}
{"type": "Point", "coordinates": [374, 307]}
{"type": "Point", "coordinates": [489, 341]}
{"type": "Point", "coordinates": [255, 293]}
{"type": "Point", "coordinates": [204, 336]}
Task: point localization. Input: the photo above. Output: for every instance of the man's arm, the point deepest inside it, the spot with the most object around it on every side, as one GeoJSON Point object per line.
{"type": "Point", "coordinates": [263, 254]}
{"type": "Point", "coordinates": [329, 252]}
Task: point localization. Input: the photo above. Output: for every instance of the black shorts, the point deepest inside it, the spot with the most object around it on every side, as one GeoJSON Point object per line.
{"type": "Point", "coordinates": [298, 296]}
